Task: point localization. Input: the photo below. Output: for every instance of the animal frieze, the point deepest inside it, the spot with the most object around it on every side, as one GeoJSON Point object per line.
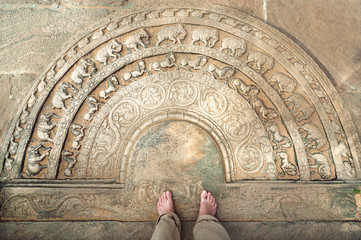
{"type": "Point", "coordinates": [209, 37]}
{"type": "Point", "coordinates": [244, 89]}
{"type": "Point", "coordinates": [140, 69]}
{"type": "Point", "coordinates": [321, 164]}
{"type": "Point", "coordinates": [46, 126]}
{"type": "Point", "coordinates": [279, 141]}
{"type": "Point", "coordinates": [236, 47]}
{"type": "Point", "coordinates": [300, 108]}
{"type": "Point", "coordinates": [33, 162]}
{"type": "Point", "coordinates": [173, 33]}
{"type": "Point", "coordinates": [313, 136]}
{"type": "Point", "coordinates": [261, 109]}
{"type": "Point", "coordinates": [78, 132]}
{"type": "Point", "coordinates": [222, 73]}
{"type": "Point", "coordinates": [112, 49]}
{"type": "Point", "coordinates": [136, 39]}
{"type": "Point", "coordinates": [62, 94]}
{"type": "Point", "coordinates": [286, 166]}
{"type": "Point", "coordinates": [168, 62]}
{"type": "Point", "coordinates": [196, 64]}
{"type": "Point", "coordinates": [112, 87]}
{"type": "Point", "coordinates": [93, 105]}
{"type": "Point", "coordinates": [82, 71]}
{"type": "Point", "coordinates": [260, 62]}
{"type": "Point", "coordinates": [283, 82]}
{"type": "Point", "coordinates": [71, 160]}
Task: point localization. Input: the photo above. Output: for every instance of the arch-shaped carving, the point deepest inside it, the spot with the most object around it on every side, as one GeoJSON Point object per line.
{"type": "Point", "coordinates": [310, 131]}
{"type": "Point", "coordinates": [179, 95]}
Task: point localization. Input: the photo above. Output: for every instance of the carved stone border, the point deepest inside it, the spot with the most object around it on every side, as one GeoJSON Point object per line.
{"type": "Point", "coordinates": [120, 63]}
{"type": "Point", "coordinates": [253, 201]}
{"type": "Point", "coordinates": [277, 39]}
{"type": "Point", "coordinates": [178, 113]}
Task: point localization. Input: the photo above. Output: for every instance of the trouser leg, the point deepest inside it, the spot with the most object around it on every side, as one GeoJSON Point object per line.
{"type": "Point", "coordinates": [208, 227]}
{"type": "Point", "coordinates": [168, 227]}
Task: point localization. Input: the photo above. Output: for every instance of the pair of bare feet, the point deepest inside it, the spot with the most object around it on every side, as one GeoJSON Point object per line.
{"type": "Point", "coordinates": [208, 205]}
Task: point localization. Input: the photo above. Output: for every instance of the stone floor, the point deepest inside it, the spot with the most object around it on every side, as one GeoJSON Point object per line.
{"type": "Point", "coordinates": [144, 230]}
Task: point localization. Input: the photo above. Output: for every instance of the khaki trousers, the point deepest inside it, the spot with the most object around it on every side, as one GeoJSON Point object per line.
{"type": "Point", "coordinates": [207, 228]}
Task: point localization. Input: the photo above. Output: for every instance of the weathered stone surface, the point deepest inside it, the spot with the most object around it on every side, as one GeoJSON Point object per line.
{"type": "Point", "coordinates": [136, 201]}
{"type": "Point", "coordinates": [174, 106]}
{"type": "Point", "coordinates": [96, 3]}
{"type": "Point", "coordinates": [13, 87]}
{"type": "Point", "coordinates": [39, 34]}
{"type": "Point", "coordinates": [34, 2]}
{"type": "Point", "coordinates": [330, 34]}
{"type": "Point", "coordinates": [144, 230]}
{"type": "Point", "coordinates": [182, 99]}
{"type": "Point", "coordinates": [352, 100]}
{"type": "Point", "coordinates": [327, 30]}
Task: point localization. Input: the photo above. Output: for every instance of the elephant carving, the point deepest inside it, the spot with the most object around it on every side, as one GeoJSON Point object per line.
{"type": "Point", "coordinates": [232, 44]}
{"type": "Point", "coordinates": [260, 62]}
{"type": "Point", "coordinates": [284, 83]}
{"type": "Point", "coordinates": [208, 36]}
{"type": "Point", "coordinates": [300, 108]}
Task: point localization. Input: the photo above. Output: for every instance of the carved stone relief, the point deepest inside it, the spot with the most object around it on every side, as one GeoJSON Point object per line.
{"type": "Point", "coordinates": [235, 82]}
{"type": "Point", "coordinates": [185, 94]}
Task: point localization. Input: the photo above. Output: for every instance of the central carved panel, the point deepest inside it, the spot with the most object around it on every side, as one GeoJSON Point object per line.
{"type": "Point", "coordinates": [178, 151]}
{"type": "Point", "coordinates": [245, 150]}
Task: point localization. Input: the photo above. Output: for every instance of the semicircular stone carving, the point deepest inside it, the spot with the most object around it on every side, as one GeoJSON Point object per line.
{"type": "Point", "coordinates": [217, 76]}
{"type": "Point", "coordinates": [226, 116]}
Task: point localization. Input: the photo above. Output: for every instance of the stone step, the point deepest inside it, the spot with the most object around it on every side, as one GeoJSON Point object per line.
{"type": "Point", "coordinates": [143, 230]}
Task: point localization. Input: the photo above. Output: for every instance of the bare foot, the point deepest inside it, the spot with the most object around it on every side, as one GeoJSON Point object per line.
{"type": "Point", "coordinates": [208, 204]}
{"type": "Point", "coordinates": [165, 203]}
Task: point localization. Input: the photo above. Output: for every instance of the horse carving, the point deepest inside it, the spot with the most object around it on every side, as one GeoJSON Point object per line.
{"type": "Point", "coordinates": [139, 70]}
{"type": "Point", "coordinates": [112, 87]}
{"type": "Point", "coordinates": [222, 73]}
{"type": "Point", "coordinates": [197, 63]}
{"type": "Point", "coordinates": [169, 61]}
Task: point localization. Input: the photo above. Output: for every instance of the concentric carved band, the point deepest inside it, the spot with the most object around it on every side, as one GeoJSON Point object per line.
{"type": "Point", "coordinates": [265, 38]}
{"type": "Point", "coordinates": [183, 93]}
{"type": "Point", "coordinates": [170, 110]}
